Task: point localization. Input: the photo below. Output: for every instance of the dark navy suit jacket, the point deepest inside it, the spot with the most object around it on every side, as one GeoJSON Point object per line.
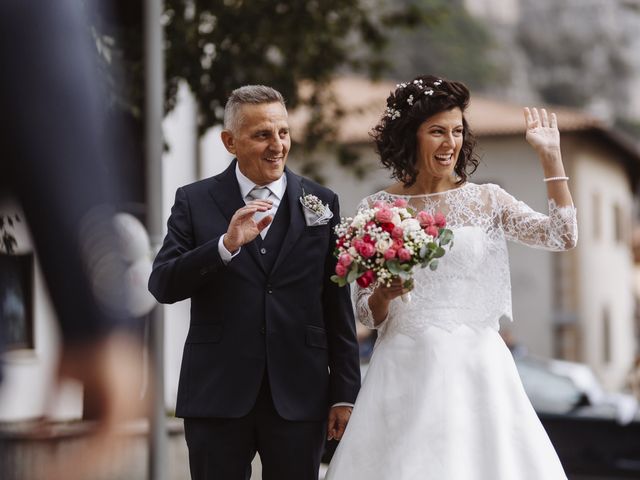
{"type": "Point", "coordinates": [289, 322]}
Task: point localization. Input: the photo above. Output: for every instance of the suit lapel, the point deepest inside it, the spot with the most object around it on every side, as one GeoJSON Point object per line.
{"type": "Point", "coordinates": [296, 220]}
{"type": "Point", "coordinates": [225, 192]}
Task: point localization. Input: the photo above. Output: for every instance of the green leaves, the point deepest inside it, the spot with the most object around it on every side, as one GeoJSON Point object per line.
{"type": "Point", "coordinates": [353, 274]}
{"type": "Point", "coordinates": [446, 237]}
{"type": "Point", "coordinates": [339, 280]}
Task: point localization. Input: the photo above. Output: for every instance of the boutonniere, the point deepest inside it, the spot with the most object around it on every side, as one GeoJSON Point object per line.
{"type": "Point", "coordinates": [315, 212]}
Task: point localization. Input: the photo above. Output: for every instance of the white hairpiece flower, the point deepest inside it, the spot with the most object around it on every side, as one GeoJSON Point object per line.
{"type": "Point", "coordinates": [428, 92]}
{"type": "Point", "coordinates": [392, 113]}
{"type": "Point", "coordinates": [437, 83]}
{"type": "Point", "coordinates": [410, 100]}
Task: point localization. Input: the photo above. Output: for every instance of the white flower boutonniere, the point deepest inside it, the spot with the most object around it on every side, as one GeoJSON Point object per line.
{"type": "Point", "coordinates": [315, 212]}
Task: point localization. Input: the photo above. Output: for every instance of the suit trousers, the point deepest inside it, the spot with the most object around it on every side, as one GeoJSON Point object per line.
{"type": "Point", "coordinates": [223, 448]}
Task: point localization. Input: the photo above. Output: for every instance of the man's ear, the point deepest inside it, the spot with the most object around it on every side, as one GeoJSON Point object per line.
{"type": "Point", "coordinates": [228, 141]}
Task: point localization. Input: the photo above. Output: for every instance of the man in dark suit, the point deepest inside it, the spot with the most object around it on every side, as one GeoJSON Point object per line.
{"type": "Point", "coordinates": [270, 362]}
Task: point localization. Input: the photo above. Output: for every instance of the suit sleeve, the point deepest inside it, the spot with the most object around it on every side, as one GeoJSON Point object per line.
{"type": "Point", "coordinates": [181, 267]}
{"type": "Point", "coordinates": [344, 360]}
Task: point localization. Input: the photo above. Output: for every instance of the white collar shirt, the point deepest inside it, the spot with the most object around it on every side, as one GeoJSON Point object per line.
{"type": "Point", "coordinates": [276, 188]}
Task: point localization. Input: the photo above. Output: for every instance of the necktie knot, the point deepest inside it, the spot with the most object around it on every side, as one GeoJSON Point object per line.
{"type": "Point", "coordinates": [259, 193]}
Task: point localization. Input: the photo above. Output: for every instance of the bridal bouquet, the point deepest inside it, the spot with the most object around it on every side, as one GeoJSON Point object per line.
{"type": "Point", "coordinates": [388, 241]}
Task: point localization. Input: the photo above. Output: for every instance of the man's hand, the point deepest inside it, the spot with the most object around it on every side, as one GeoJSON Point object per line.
{"type": "Point", "coordinates": [338, 419]}
{"type": "Point", "coordinates": [243, 228]}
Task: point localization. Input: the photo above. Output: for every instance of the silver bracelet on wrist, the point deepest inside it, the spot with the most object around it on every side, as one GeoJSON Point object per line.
{"type": "Point", "coordinates": [555, 179]}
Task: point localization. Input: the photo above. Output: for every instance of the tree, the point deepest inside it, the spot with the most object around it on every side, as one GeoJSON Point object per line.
{"type": "Point", "coordinates": [454, 45]}
{"type": "Point", "coordinates": [218, 45]}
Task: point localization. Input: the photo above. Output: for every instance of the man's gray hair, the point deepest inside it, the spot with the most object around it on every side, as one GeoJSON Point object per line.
{"type": "Point", "coordinates": [252, 94]}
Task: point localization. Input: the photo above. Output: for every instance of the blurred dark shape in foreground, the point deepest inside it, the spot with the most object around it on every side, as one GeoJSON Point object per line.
{"type": "Point", "coordinates": [55, 161]}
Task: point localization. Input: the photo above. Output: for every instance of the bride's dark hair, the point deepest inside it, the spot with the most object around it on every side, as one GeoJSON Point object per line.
{"type": "Point", "coordinates": [407, 108]}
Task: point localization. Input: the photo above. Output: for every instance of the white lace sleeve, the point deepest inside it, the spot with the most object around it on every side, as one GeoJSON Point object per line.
{"type": "Point", "coordinates": [361, 295]}
{"type": "Point", "coordinates": [556, 231]}
{"type": "Point", "coordinates": [361, 303]}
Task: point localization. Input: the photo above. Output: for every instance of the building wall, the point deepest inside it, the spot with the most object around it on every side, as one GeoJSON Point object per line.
{"type": "Point", "coordinates": [350, 189]}
{"type": "Point", "coordinates": [28, 374]}
{"type": "Point", "coordinates": [186, 160]}
{"type": "Point", "coordinates": [606, 266]}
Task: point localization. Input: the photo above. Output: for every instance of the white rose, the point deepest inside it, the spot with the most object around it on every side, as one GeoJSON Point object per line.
{"type": "Point", "coordinates": [383, 244]}
{"type": "Point", "coordinates": [410, 225]}
{"type": "Point", "coordinates": [396, 219]}
{"type": "Point", "coordinates": [359, 220]}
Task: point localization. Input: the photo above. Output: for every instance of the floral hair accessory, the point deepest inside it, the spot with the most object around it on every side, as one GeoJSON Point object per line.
{"type": "Point", "coordinates": [315, 212]}
{"type": "Point", "coordinates": [392, 113]}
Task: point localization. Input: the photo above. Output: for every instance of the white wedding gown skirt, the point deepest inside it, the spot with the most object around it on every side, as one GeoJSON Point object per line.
{"type": "Point", "coordinates": [444, 405]}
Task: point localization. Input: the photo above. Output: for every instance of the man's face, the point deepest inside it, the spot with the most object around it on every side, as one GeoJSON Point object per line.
{"type": "Point", "coordinates": [260, 142]}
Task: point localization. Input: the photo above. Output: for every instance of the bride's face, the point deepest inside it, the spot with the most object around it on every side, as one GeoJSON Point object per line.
{"type": "Point", "coordinates": [439, 140]}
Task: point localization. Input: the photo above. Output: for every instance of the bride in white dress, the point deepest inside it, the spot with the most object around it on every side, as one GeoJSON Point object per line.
{"type": "Point", "coordinates": [442, 399]}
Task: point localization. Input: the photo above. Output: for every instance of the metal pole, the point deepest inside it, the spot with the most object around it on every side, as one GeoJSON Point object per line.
{"type": "Point", "coordinates": [154, 88]}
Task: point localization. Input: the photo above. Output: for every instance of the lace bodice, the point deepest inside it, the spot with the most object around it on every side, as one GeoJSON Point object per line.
{"type": "Point", "coordinates": [472, 284]}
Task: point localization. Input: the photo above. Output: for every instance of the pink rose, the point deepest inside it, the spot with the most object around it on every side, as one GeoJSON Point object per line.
{"type": "Point", "coordinates": [440, 220]}
{"type": "Point", "coordinates": [389, 254]}
{"type": "Point", "coordinates": [398, 243]}
{"type": "Point", "coordinates": [345, 259]}
{"type": "Point", "coordinates": [366, 278]}
{"type": "Point", "coordinates": [397, 232]}
{"type": "Point", "coordinates": [400, 203]}
{"type": "Point", "coordinates": [432, 230]}
{"type": "Point", "coordinates": [404, 255]}
{"type": "Point", "coordinates": [424, 218]}
{"type": "Point", "coordinates": [367, 250]}
{"type": "Point", "coordinates": [341, 270]}
{"type": "Point", "coordinates": [384, 215]}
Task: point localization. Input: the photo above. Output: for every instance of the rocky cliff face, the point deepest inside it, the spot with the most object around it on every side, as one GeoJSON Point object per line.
{"type": "Point", "coordinates": [583, 53]}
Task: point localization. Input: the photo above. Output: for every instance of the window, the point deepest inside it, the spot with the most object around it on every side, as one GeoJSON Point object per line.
{"type": "Point", "coordinates": [16, 301]}
{"type": "Point", "coordinates": [595, 209]}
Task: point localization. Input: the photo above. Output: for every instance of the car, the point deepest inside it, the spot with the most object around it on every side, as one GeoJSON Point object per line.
{"type": "Point", "coordinates": [595, 432]}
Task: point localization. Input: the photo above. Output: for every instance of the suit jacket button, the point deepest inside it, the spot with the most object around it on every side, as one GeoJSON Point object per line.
{"type": "Point", "coordinates": [263, 250]}
{"type": "Point", "coordinates": [262, 330]}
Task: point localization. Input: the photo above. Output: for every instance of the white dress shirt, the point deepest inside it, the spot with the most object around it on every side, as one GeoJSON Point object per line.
{"type": "Point", "coordinates": [277, 189]}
